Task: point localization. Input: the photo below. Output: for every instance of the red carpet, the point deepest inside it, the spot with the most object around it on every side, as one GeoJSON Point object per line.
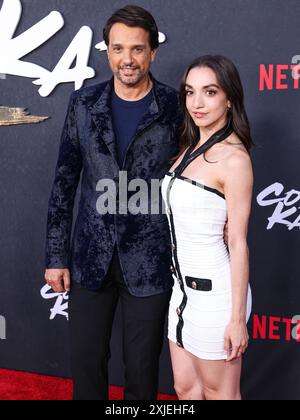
{"type": "Point", "coordinates": [18, 386]}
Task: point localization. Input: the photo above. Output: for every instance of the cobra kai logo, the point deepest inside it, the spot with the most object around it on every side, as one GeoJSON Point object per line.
{"type": "Point", "coordinates": [60, 306]}
{"type": "Point", "coordinates": [14, 49]}
{"type": "Point", "coordinates": [286, 204]}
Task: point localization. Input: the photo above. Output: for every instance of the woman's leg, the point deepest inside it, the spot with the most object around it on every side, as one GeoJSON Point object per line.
{"type": "Point", "coordinates": [187, 381]}
{"type": "Point", "coordinates": [220, 379]}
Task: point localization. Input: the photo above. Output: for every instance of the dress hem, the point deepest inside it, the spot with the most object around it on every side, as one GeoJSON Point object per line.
{"type": "Point", "coordinates": [201, 355]}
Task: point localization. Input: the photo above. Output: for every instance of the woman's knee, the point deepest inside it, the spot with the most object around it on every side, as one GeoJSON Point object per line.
{"type": "Point", "coordinates": [182, 390]}
{"type": "Point", "coordinates": [219, 394]}
{"type": "Point", "coordinates": [188, 391]}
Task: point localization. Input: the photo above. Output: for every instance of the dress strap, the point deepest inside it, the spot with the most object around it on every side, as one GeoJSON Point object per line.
{"type": "Point", "coordinates": [190, 156]}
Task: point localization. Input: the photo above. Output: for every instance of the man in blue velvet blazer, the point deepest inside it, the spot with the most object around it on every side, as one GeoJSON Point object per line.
{"type": "Point", "coordinates": [128, 125]}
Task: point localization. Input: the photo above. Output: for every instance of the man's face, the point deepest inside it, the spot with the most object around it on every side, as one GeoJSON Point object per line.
{"type": "Point", "coordinates": [129, 54]}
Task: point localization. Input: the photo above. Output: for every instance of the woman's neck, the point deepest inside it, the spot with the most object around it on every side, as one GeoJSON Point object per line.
{"type": "Point", "coordinates": [207, 132]}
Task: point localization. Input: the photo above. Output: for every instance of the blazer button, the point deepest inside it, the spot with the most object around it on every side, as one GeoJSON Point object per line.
{"type": "Point", "coordinates": [172, 269]}
{"type": "Point", "coordinates": [179, 344]}
{"type": "Point", "coordinates": [173, 247]}
{"type": "Point", "coordinates": [194, 285]}
{"type": "Point", "coordinates": [178, 311]}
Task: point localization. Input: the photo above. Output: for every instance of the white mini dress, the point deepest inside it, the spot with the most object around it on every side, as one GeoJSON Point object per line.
{"type": "Point", "coordinates": [201, 303]}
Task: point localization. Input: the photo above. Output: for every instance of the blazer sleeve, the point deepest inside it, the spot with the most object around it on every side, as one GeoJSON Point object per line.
{"type": "Point", "coordinates": [61, 203]}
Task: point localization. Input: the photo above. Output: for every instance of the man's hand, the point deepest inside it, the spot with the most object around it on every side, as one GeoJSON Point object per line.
{"type": "Point", "coordinates": [58, 280]}
{"type": "Point", "coordinates": [226, 237]}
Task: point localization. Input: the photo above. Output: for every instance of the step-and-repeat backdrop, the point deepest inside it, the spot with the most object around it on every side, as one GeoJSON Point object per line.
{"type": "Point", "coordinates": [48, 49]}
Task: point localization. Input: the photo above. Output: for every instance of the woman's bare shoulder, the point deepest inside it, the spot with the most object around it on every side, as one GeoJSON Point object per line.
{"type": "Point", "coordinates": [235, 153]}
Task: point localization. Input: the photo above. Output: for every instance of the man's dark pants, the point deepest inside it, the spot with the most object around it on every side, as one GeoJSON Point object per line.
{"type": "Point", "coordinates": [91, 319]}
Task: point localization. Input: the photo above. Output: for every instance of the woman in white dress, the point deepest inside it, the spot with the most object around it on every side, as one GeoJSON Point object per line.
{"type": "Point", "coordinates": [209, 185]}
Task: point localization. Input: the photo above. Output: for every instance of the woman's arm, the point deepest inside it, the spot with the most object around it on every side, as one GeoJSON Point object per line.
{"type": "Point", "coordinates": [238, 186]}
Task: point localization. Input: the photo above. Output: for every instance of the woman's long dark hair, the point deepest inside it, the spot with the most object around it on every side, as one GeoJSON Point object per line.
{"type": "Point", "coordinates": [229, 80]}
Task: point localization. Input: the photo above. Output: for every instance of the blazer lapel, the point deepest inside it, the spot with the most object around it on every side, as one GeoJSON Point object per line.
{"type": "Point", "coordinates": [102, 117]}
{"type": "Point", "coordinates": [153, 113]}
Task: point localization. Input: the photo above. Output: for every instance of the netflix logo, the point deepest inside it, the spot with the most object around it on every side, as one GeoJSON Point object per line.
{"type": "Point", "coordinates": [276, 328]}
{"type": "Point", "coordinates": [280, 76]}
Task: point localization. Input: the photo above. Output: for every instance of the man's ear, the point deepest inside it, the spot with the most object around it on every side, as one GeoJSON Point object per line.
{"type": "Point", "coordinates": [153, 55]}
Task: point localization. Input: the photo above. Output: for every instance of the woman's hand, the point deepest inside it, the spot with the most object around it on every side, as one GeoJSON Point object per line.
{"type": "Point", "coordinates": [236, 340]}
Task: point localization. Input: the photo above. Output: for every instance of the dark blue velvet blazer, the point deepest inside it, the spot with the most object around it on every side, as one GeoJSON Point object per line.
{"type": "Point", "coordinates": [88, 148]}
